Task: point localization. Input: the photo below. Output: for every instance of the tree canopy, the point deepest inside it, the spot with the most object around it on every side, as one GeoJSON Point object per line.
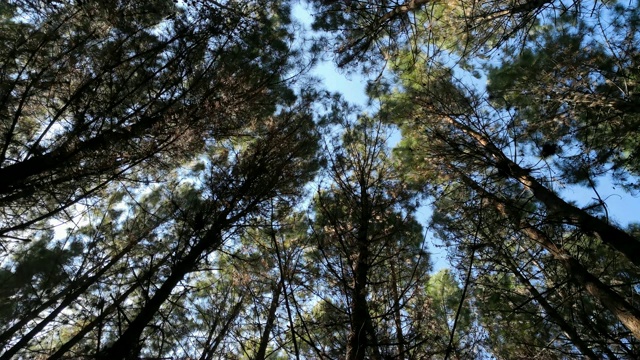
{"type": "Point", "coordinates": [174, 183]}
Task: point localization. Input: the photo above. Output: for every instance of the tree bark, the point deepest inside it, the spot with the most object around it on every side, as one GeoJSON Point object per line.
{"type": "Point", "coordinates": [362, 333]}
{"type": "Point", "coordinates": [71, 296]}
{"type": "Point", "coordinates": [212, 344]}
{"type": "Point", "coordinates": [126, 345]}
{"type": "Point", "coordinates": [271, 318]}
{"type": "Point", "coordinates": [609, 234]}
{"type": "Point", "coordinates": [628, 315]}
{"type": "Point", "coordinates": [553, 313]}
{"type": "Point", "coordinates": [396, 311]}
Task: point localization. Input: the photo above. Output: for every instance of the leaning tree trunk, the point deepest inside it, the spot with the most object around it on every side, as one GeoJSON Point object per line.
{"type": "Point", "coordinates": [127, 344]}
{"type": "Point", "coordinates": [628, 315]}
{"type": "Point", "coordinates": [565, 326]}
{"type": "Point", "coordinates": [609, 234]}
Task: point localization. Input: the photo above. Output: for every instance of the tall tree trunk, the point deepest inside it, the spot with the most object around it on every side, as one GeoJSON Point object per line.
{"type": "Point", "coordinates": [628, 315]}
{"type": "Point", "coordinates": [362, 333]}
{"type": "Point", "coordinates": [271, 318]}
{"type": "Point", "coordinates": [18, 176]}
{"type": "Point", "coordinates": [213, 343]}
{"type": "Point", "coordinates": [126, 345]}
{"type": "Point", "coordinates": [113, 306]}
{"type": "Point", "coordinates": [609, 234]}
{"type": "Point", "coordinates": [283, 267]}
{"type": "Point", "coordinates": [608, 339]}
{"type": "Point", "coordinates": [396, 310]}
{"type": "Point", "coordinates": [60, 353]}
{"type": "Point", "coordinates": [72, 292]}
{"type": "Point", "coordinates": [357, 341]}
{"type": "Point", "coordinates": [568, 329]}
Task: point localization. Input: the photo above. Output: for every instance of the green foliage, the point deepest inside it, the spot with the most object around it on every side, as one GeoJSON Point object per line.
{"type": "Point", "coordinates": [33, 273]}
{"type": "Point", "coordinates": [157, 161]}
{"type": "Point", "coordinates": [554, 112]}
{"type": "Point", "coordinates": [573, 86]}
{"type": "Point", "coordinates": [445, 294]}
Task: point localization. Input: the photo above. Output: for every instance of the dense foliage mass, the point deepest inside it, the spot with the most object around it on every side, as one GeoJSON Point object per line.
{"type": "Point", "coordinates": [174, 183]}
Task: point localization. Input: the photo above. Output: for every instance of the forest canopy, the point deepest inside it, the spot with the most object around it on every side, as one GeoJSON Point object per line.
{"type": "Point", "coordinates": [176, 184]}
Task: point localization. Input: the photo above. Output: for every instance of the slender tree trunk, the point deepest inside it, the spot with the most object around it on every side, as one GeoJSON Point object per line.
{"type": "Point", "coordinates": [271, 318]}
{"type": "Point", "coordinates": [212, 345]}
{"type": "Point", "coordinates": [628, 315]}
{"type": "Point", "coordinates": [59, 354]}
{"type": "Point", "coordinates": [16, 176]}
{"type": "Point", "coordinates": [357, 341]}
{"type": "Point", "coordinates": [71, 296]}
{"type": "Point", "coordinates": [24, 341]}
{"type": "Point", "coordinates": [396, 311]}
{"type": "Point", "coordinates": [126, 345]}
{"type": "Point", "coordinates": [108, 310]}
{"type": "Point", "coordinates": [625, 312]}
{"type": "Point", "coordinates": [609, 234]}
{"type": "Point", "coordinates": [362, 333]}
{"type": "Point", "coordinates": [72, 292]}
{"type": "Point", "coordinates": [568, 329]}
{"type": "Point", "coordinates": [608, 338]}
{"type": "Point", "coordinates": [283, 271]}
